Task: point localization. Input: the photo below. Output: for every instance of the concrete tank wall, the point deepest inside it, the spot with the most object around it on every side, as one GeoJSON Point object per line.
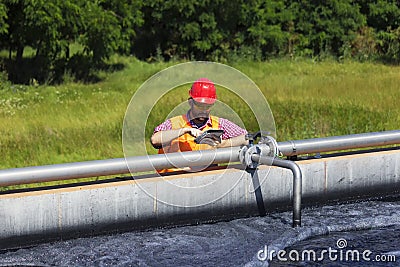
{"type": "Point", "coordinates": [220, 194]}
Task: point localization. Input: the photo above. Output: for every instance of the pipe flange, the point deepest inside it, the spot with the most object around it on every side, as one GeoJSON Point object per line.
{"type": "Point", "coordinates": [272, 144]}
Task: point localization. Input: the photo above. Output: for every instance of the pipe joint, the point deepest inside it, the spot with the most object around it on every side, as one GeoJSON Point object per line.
{"type": "Point", "coordinates": [266, 147]}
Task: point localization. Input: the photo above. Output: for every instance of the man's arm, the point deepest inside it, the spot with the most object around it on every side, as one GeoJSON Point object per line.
{"type": "Point", "coordinates": [158, 139]}
{"type": "Point", "coordinates": [233, 135]}
{"type": "Point", "coordinates": [234, 141]}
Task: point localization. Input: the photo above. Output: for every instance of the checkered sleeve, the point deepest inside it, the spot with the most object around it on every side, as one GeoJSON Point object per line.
{"type": "Point", "coordinates": [166, 125]}
{"type": "Point", "coordinates": [230, 129]}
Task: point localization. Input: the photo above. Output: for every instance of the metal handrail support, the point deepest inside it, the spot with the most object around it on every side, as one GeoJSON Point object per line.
{"type": "Point", "coordinates": [297, 181]}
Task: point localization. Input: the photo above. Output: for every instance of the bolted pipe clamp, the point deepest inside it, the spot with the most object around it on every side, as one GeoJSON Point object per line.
{"type": "Point", "coordinates": [266, 147]}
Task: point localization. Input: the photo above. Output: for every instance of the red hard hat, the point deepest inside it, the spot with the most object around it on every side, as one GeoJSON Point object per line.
{"type": "Point", "coordinates": [203, 91]}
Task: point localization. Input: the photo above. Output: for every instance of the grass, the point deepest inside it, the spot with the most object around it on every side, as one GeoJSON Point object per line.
{"type": "Point", "coordinates": [42, 125]}
{"type": "Point", "coordinates": [329, 98]}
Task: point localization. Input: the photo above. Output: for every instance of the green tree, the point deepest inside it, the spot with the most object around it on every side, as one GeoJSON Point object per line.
{"type": "Point", "coordinates": [389, 45]}
{"type": "Point", "coordinates": [103, 27]}
{"type": "Point", "coordinates": [266, 25]}
{"type": "Point", "coordinates": [109, 26]}
{"type": "Point", "coordinates": [381, 14]}
{"type": "Point", "coordinates": [3, 17]}
{"type": "Point", "coordinates": [32, 23]}
{"type": "Point", "coordinates": [72, 25]}
{"type": "Point", "coordinates": [212, 29]}
{"type": "Point", "coordinates": [129, 16]}
{"type": "Point", "coordinates": [188, 29]}
{"type": "Point", "coordinates": [3, 28]}
{"type": "Point", "coordinates": [327, 25]}
{"type": "Point", "coordinates": [101, 31]}
{"type": "Point", "coordinates": [14, 38]}
{"type": "Point", "coordinates": [43, 18]}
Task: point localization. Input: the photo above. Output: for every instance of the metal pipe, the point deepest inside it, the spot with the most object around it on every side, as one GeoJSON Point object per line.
{"type": "Point", "coordinates": [335, 143]}
{"type": "Point", "coordinates": [297, 182]}
{"type": "Point", "coordinates": [117, 166]}
{"type": "Point", "coordinates": [184, 159]}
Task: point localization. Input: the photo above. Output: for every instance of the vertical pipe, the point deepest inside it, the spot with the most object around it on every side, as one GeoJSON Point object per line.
{"type": "Point", "coordinates": [297, 182]}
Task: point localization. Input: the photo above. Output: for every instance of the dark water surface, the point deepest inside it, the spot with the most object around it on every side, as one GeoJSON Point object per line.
{"type": "Point", "coordinates": [372, 225]}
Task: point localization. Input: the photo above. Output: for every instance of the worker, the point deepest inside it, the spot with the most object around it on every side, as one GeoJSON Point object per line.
{"type": "Point", "coordinates": [177, 134]}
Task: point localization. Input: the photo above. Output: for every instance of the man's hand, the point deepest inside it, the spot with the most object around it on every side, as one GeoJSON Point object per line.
{"type": "Point", "coordinates": [209, 141]}
{"type": "Point", "coordinates": [161, 138]}
{"type": "Point", "coordinates": [193, 131]}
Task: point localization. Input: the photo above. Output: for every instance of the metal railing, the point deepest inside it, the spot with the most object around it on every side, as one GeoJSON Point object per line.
{"type": "Point", "coordinates": [194, 158]}
{"type": "Point", "coordinates": [249, 156]}
{"type": "Point", "coordinates": [336, 143]}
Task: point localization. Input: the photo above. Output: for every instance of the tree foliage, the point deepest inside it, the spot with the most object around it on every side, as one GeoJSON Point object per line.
{"type": "Point", "coordinates": [327, 25]}
{"type": "Point", "coordinates": [383, 17]}
{"type": "Point", "coordinates": [212, 29]}
{"type": "Point", "coordinates": [218, 30]}
{"type": "Point", "coordinates": [3, 17]}
{"type": "Point", "coordinates": [49, 27]}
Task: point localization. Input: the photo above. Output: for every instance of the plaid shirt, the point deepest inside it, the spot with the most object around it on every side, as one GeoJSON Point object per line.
{"type": "Point", "coordinates": [230, 128]}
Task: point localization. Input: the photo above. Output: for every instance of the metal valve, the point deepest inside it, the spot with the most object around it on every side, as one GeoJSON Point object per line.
{"type": "Point", "coordinates": [267, 146]}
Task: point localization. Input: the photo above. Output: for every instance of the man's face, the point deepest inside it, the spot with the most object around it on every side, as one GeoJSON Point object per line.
{"type": "Point", "coordinates": [200, 111]}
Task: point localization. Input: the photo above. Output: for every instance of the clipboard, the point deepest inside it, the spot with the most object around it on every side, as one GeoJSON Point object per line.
{"type": "Point", "coordinates": [210, 137]}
